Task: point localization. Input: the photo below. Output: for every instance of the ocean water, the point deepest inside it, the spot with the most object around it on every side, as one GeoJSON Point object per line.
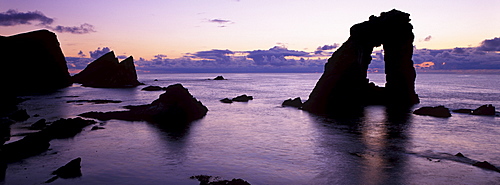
{"type": "Point", "coordinates": [263, 143]}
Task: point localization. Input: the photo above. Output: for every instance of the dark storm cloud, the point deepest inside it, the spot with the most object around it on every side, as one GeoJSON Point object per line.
{"type": "Point", "coordinates": [82, 29]}
{"type": "Point", "coordinates": [215, 55]}
{"type": "Point", "coordinates": [274, 56]}
{"type": "Point", "coordinates": [490, 45]}
{"type": "Point", "coordinates": [320, 49]}
{"type": "Point", "coordinates": [13, 17]}
{"type": "Point", "coordinates": [99, 52]}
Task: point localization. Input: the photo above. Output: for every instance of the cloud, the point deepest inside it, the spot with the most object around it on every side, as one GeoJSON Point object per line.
{"type": "Point", "coordinates": [82, 29]}
{"type": "Point", "coordinates": [81, 54]}
{"type": "Point", "coordinates": [99, 52]}
{"type": "Point", "coordinates": [320, 49]}
{"type": "Point", "coordinates": [215, 55]}
{"type": "Point", "coordinates": [490, 45]}
{"type": "Point", "coordinates": [221, 22]}
{"type": "Point", "coordinates": [13, 17]}
{"type": "Point", "coordinates": [428, 38]}
{"type": "Point", "coordinates": [274, 56]}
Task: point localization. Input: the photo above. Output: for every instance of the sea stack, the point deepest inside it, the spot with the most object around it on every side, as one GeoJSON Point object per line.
{"type": "Point", "coordinates": [32, 62]}
{"type": "Point", "coordinates": [107, 72]}
{"type": "Point", "coordinates": [344, 87]}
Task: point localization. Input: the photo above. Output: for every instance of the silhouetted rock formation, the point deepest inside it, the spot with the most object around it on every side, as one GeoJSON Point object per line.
{"type": "Point", "coordinates": [297, 102]}
{"type": "Point", "coordinates": [439, 111]}
{"type": "Point", "coordinates": [107, 72]}
{"type": "Point", "coordinates": [219, 78]}
{"type": "Point", "coordinates": [226, 100]}
{"type": "Point", "coordinates": [32, 62]}
{"type": "Point", "coordinates": [71, 170]}
{"type": "Point", "coordinates": [488, 110]}
{"type": "Point", "coordinates": [174, 106]}
{"type": "Point", "coordinates": [36, 143]}
{"type": "Point", "coordinates": [154, 88]}
{"type": "Point", "coordinates": [242, 98]}
{"type": "Point", "coordinates": [344, 87]}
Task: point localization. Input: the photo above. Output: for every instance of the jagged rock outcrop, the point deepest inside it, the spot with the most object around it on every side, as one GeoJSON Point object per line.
{"type": "Point", "coordinates": [175, 106]}
{"type": "Point", "coordinates": [296, 102]}
{"type": "Point", "coordinates": [32, 62]}
{"type": "Point", "coordinates": [344, 87]}
{"type": "Point", "coordinates": [107, 72]}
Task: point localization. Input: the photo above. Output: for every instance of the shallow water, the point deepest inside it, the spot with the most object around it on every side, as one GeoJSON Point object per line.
{"type": "Point", "coordinates": [264, 143]}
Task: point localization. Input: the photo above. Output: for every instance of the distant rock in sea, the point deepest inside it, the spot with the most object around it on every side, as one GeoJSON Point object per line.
{"type": "Point", "coordinates": [154, 88]}
{"type": "Point", "coordinates": [32, 62]}
{"type": "Point", "coordinates": [344, 88]}
{"type": "Point", "coordinates": [242, 98]}
{"type": "Point", "coordinates": [175, 106]}
{"type": "Point", "coordinates": [439, 111]}
{"type": "Point", "coordinates": [219, 78]}
{"type": "Point", "coordinates": [487, 110]}
{"type": "Point", "coordinates": [107, 72]}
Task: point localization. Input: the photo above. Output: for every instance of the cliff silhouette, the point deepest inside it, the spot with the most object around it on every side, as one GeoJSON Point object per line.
{"type": "Point", "coordinates": [32, 62]}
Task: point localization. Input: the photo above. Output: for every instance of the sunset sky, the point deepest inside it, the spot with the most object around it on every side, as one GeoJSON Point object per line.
{"type": "Point", "coordinates": [176, 27]}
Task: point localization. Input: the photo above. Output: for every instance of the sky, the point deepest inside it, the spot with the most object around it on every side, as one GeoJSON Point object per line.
{"type": "Point", "coordinates": [173, 29]}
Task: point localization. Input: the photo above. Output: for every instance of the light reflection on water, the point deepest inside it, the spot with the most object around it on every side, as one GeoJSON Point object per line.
{"type": "Point", "coordinates": [263, 143]}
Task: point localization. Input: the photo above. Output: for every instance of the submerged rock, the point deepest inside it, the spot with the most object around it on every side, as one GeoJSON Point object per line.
{"type": "Point", "coordinates": [175, 105]}
{"type": "Point", "coordinates": [297, 102]}
{"type": "Point", "coordinates": [32, 62]}
{"type": "Point", "coordinates": [439, 111]}
{"type": "Point", "coordinates": [107, 72]}
{"type": "Point", "coordinates": [344, 87]}
{"type": "Point", "coordinates": [486, 165]}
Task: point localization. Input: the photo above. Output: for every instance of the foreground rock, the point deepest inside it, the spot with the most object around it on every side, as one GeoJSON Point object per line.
{"type": "Point", "coordinates": [32, 62]}
{"type": "Point", "coordinates": [36, 143]}
{"type": "Point", "coordinates": [71, 170]}
{"type": "Point", "coordinates": [344, 88]}
{"type": "Point", "coordinates": [297, 102]}
{"type": "Point", "coordinates": [176, 105]}
{"type": "Point", "coordinates": [439, 111]}
{"type": "Point", "coordinates": [107, 72]}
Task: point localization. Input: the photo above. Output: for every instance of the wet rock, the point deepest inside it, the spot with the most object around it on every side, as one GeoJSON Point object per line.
{"type": "Point", "coordinates": [344, 87]}
{"type": "Point", "coordinates": [97, 128]}
{"type": "Point", "coordinates": [488, 110]}
{"type": "Point", "coordinates": [154, 88]}
{"type": "Point", "coordinates": [32, 62]}
{"type": "Point", "coordinates": [174, 106]}
{"type": "Point", "coordinates": [219, 78]}
{"type": "Point", "coordinates": [226, 100]}
{"type": "Point", "coordinates": [107, 72]}
{"type": "Point", "coordinates": [439, 111]}
{"type": "Point", "coordinates": [486, 165]}
{"type": "Point", "coordinates": [38, 125]}
{"type": "Point", "coordinates": [297, 102]}
{"type": "Point", "coordinates": [66, 128]}
{"type": "Point", "coordinates": [242, 98]}
{"type": "Point", "coordinates": [71, 170]}
{"type": "Point", "coordinates": [94, 101]}
{"type": "Point", "coordinates": [19, 115]}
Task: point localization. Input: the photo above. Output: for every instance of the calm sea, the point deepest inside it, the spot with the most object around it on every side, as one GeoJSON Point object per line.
{"type": "Point", "coordinates": [264, 143]}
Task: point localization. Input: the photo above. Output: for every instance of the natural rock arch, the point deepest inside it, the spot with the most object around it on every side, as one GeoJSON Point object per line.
{"type": "Point", "coordinates": [344, 86]}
